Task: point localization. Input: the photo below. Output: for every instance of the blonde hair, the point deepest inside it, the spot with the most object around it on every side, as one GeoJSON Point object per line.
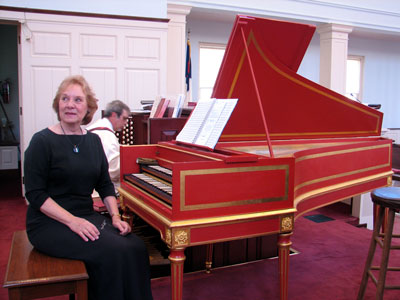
{"type": "Point", "coordinates": [89, 95]}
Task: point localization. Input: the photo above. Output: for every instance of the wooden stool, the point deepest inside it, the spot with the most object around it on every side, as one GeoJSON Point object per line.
{"type": "Point", "coordinates": [31, 274]}
{"type": "Point", "coordinates": [388, 197]}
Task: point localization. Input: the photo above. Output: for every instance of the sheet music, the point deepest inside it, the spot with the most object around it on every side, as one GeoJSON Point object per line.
{"type": "Point", "coordinates": [207, 122]}
{"type": "Point", "coordinates": [189, 132]}
{"type": "Point", "coordinates": [209, 125]}
{"type": "Point", "coordinates": [229, 105]}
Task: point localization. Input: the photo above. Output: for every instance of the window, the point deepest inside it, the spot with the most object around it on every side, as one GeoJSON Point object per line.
{"type": "Point", "coordinates": [210, 59]}
{"type": "Point", "coordinates": [354, 77]}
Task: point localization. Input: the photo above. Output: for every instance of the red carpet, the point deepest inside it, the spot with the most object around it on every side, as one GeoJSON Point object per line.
{"type": "Point", "coordinates": [328, 267]}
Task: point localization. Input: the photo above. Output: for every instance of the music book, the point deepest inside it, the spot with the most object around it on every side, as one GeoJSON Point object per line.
{"type": "Point", "coordinates": [207, 121]}
{"type": "Point", "coordinates": [155, 107]}
{"type": "Point", "coordinates": [178, 106]}
{"type": "Point", "coordinates": [163, 108]}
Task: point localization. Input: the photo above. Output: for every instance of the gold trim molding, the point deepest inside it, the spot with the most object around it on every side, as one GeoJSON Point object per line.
{"type": "Point", "coordinates": [353, 172]}
{"type": "Point", "coordinates": [168, 236]}
{"type": "Point", "coordinates": [340, 186]}
{"type": "Point", "coordinates": [286, 223]}
{"type": "Point", "coordinates": [202, 221]}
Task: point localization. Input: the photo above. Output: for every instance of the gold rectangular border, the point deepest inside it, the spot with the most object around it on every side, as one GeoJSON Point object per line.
{"type": "Point", "coordinates": [183, 174]}
{"type": "Point", "coordinates": [243, 222]}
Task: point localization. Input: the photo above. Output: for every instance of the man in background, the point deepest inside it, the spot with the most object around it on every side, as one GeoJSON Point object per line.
{"type": "Point", "coordinates": [114, 119]}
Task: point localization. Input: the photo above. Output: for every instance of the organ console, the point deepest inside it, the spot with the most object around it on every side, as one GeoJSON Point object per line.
{"type": "Point", "coordinates": [289, 147]}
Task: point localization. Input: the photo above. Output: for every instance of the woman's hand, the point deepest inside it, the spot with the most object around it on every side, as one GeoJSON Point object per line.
{"type": "Point", "coordinates": [122, 226]}
{"type": "Point", "coordinates": [112, 207]}
{"type": "Point", "coordinates": [84, 229]}
{"type": "Point", "coordinates": [80, 226]}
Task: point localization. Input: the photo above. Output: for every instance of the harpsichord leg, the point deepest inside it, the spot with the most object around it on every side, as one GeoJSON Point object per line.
{"type": "Point", "coordinates": [209, 258]}
{"type": "Point", "coordinates": [127, 216]}
{"type": "Point", "coordinates": [284, 244]}
{"type": "Point", "coordinates": [177, 259]}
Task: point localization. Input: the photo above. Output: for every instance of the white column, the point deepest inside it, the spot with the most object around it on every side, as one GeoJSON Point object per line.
{"type": "Point", "coordinates": [333, 59]}
{"type": "Point", "coordinates": [176, 49]}
{"type": "Point", "coordinates": [333, 56]}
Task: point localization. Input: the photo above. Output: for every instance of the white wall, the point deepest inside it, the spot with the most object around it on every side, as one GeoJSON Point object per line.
{"type": "Point", "coordinates": [137, 8]}
{"type": "Point", "coordinates": [219, 32]}
{"type": "Point", "coordinates": [381, 75]}
{"type": "Point", "coordinates": [207, 32]}
{"type": "Point", "coordinates": [309, 67]}
{"type": "Point", "coordinates": [382, 57]}
{"type": "Point", "coordinates": [371, 14]}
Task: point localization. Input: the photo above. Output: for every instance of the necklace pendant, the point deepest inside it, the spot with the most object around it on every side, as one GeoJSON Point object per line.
{"type": "Point", "coordinates": [75, 149]}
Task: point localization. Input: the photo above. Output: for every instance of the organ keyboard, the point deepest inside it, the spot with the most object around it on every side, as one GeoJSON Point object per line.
{"type": "Point", "coordinates": [289, 147]}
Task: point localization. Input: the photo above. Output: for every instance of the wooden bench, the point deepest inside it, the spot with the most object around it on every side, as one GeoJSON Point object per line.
{"type": "Point", "coordinates": [31, 274]}
{"type": "Point", "coordinates": [100, 207]}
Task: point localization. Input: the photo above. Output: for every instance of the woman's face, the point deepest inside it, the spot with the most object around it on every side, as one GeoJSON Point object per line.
{"type": "Point", "coordinates": [73, 105]}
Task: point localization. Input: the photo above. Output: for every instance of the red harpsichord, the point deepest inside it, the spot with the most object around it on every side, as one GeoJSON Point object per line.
{"type": "Point", "coordinates": [290, 146]}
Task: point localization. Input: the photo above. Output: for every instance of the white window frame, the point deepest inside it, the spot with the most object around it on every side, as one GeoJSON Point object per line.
{"type": "Point", "coordinates": [361, 60]}
{"type": "Point", "coordinates": [203, 45]}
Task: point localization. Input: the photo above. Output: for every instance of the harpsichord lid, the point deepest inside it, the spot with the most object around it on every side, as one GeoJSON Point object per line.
{"type": "Point", "coordinates": [294, 107]}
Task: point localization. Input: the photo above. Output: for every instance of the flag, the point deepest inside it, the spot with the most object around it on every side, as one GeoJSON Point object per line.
{"type": "Point", "coordinates": [188, 69]}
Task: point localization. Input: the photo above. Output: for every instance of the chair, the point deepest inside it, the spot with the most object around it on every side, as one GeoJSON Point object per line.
{"type": "Point", "coordinates": [385, 198]}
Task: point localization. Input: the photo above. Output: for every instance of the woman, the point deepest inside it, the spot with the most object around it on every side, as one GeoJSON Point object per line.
{"type": "Point", "coordinates": [63, 164]}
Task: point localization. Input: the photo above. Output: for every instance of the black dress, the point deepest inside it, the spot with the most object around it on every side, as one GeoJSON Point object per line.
{"type": "Point", "coordinates": [118, 266]}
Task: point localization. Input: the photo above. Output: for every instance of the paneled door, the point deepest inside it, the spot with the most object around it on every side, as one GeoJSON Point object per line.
{"type": "Point", "coordinates": [121, 59]}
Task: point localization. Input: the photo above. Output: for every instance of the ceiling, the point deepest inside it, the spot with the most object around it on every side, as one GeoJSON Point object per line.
{"type": "Point", "coordinates": [224, 16]}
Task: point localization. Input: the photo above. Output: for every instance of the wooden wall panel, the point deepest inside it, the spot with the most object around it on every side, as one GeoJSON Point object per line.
{"type": "Point", "coordinates": [44, 81]}
{"type": "Point", "coordinates": [98, 46]}
{"type": "Point", "coordinates": [51, 44]}
{"type": "Point", "coordinates": [121, 59]}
